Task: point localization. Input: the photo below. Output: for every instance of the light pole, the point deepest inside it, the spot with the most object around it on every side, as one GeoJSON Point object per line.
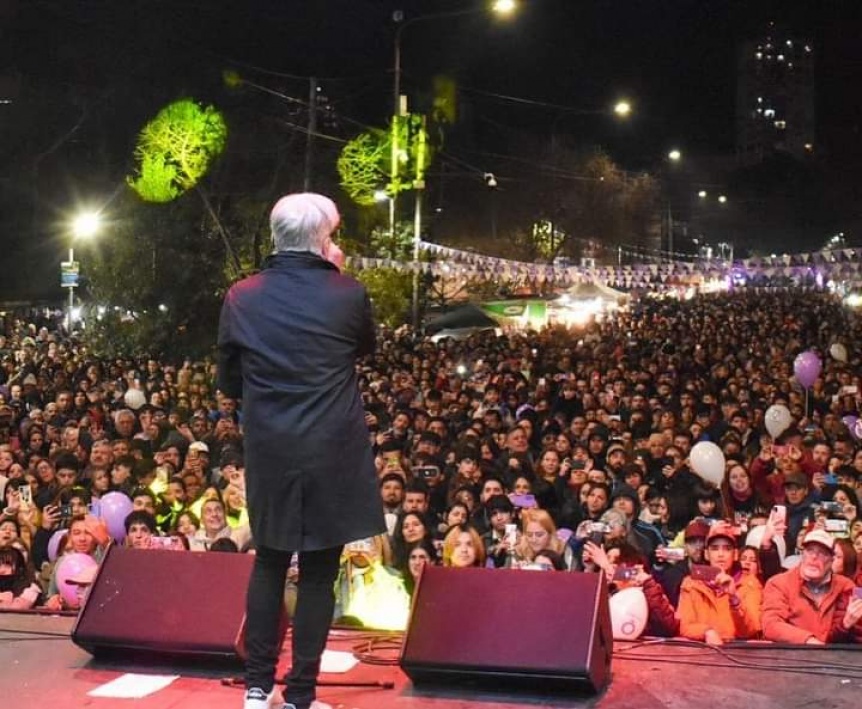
{"type": "Point", "coordinates": [399, 108]}
{"type": "Point", "coordinates": [84, 226]}
{"type": "Point", "coordinates": [673, 157]}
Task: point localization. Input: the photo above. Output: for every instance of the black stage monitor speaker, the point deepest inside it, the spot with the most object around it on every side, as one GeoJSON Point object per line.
{"type": "Point", "coordinates": [542, 630]}
{"type": "Point", "coordinates": [182, 604]}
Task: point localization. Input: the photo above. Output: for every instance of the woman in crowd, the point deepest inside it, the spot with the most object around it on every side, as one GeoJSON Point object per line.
{"type": "Point", "coordinates": [538, 533]}
{"type": "Point", "coordinates": [749, 562]}
{"type": "Point", "coordinates": [545, 485]}
{"type": "Point", "coordinates": [845, 561]}
{"type": "Point", "coordinates": [419, 556]}
{"type": "Point", "coordinates": [457, 513]}
{"type": "Point", "coordinates": [739, 490]}
{"type": "Point", "coordinates": [186, 524]}
{"type": "Point", "coordinates": [463, 547]}
{"type": "Point", "coordinates": [18, 587]}
{"type": "Point", "coordinates": [17, 508]}
{"type": "Point", "coordinates": [410, 529]}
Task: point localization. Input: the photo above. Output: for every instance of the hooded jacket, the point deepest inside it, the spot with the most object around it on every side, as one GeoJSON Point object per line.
{"type": "Point", "coordinates": [701, 609]}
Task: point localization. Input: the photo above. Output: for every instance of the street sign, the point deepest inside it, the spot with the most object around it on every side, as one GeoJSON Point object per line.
{"type": "Point", "coordinates": [69, 274]}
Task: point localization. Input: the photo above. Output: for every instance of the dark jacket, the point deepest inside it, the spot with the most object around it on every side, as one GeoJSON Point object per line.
{"type": "Point", "coordinates": [288, 341]}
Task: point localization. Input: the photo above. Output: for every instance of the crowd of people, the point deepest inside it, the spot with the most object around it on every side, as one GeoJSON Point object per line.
{"type": "Point", "coordinates": [559, 450]}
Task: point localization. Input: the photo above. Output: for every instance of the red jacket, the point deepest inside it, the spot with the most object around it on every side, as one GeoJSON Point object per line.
{"type": "Point", "coordinates": [791, 614]}
{"type": "Point", "coordinates": [662, 620]}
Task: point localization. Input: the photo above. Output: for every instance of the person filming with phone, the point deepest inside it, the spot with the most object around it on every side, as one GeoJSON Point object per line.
{"type": "Point", "coordinates": [713, 607]}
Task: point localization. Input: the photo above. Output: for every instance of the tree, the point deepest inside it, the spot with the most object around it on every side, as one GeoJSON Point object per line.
{"type": "Point", "coordinates": [389, 290]}
{"type": "Point", "coordinates": [176, 149]}
{"type": "Point", "coordinates": [362, 167]}
{"type": "Point", "coordinates": [365, 165]}
{"type": "Point", "coordinates": [155, 282]}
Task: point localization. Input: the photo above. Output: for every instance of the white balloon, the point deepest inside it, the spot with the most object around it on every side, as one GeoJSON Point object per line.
{"type": "Point", "coordinates": [755, 539]}
{"type": "Point", "coordinates": [707, 461]}
{"type": "Point", "coordinates": [838, 352]}
{"type": "Point", "coordinates": [777, 419]}
{"type": "Point", "coordinates": [135, 399]}
{"type": "Point", "coordinates": [629, 613]}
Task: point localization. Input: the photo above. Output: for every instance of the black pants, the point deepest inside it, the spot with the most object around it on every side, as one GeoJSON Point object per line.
{"type": "Point", "coordinates": [314, 607]}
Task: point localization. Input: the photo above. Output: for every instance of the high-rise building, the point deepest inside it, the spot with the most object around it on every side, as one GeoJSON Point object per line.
{"type": "Point", "coordinates": [775, 97]}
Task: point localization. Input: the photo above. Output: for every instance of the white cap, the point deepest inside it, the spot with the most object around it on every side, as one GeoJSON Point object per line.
{"type": "Point", "coordinates": [819, 536]}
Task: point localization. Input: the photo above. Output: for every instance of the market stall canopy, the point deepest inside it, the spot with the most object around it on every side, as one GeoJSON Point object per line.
{"type": "Point", "coordinates": [464, 317]}
{"type": "Point", "coordinates": [593, 290]}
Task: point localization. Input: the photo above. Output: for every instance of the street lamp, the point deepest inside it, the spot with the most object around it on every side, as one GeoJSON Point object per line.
{"type": "Point", "coordinates": [399, 108]}
{"type": "Point", "coordinates": [84, 226]}
{"type": "Point", "coordinates": [674, 155]}
{"type": "Point", "coordinates": [623, 109]}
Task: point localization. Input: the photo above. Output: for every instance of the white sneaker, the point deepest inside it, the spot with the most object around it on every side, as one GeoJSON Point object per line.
{"type": "Point", "coordinates": [256, 698]}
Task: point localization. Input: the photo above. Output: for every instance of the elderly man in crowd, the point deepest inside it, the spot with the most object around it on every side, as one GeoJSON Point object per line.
{"type": "Point", "coordinates": [809, 603]}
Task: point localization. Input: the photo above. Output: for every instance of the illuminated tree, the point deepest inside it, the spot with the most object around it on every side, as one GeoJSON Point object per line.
{"type": "Point", "coordinates": [176, 149]}
{"type": "Point", "coordinates": [365, 163]}
{"type": "Point", "coordinates": [363, 166]}
{"type": "Point", "coordinates": [174, 152]}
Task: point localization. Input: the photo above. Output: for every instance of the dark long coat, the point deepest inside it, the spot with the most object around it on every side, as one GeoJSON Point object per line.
{"type": "Point", "coordinates": [288, 341]}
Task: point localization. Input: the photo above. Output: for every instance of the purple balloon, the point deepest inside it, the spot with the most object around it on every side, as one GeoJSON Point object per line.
{"type": "Point", "coordinates": [114, 507]}
{"type": "Point", "coordinates": [807, 368]}
{"type": "Point", "coordinates": [850, 421]}
{"type": "Point", "coordinates": [54, 543]}
{"type": "Point", "coordinates": [74, 567]}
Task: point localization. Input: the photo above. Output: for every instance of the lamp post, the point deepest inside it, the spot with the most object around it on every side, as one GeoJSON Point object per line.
{"type": "Point", "coordinates": [673, 157]}
{"type": "Point", "coordinates": [84, 226]}
{"type": "Point", "coordinates": [399, 108]}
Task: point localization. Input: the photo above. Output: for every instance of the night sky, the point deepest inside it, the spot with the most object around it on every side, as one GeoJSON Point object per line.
{"type": "Point", "coordinates": [108, 65]}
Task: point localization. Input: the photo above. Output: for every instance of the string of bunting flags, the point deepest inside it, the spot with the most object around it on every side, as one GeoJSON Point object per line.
{"type": "Point", "coordinates": [839, 264]}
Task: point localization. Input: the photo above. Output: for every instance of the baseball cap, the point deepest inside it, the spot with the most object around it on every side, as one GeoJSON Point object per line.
{"type": "Point", "coordinates": [721, 530]}
{"type": "Point", "coordinates": [799, 479]}
{"type": "Point", "coordinates": [696, 529]}
{"type": "Point", "coordinates": [200, 447]}
{"type": "Point", "coordinates": [819, 536]}
{"type": "Point", "coordinates": [614, 447]}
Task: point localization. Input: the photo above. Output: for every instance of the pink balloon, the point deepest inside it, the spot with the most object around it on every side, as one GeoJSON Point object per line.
{"type": "Point", "coordinates": [54, 543]}
{"type": "Point", "coordinates": [75, 567]}
{"type": "Point", "coordinates": [807, 366]}
{"type": "Point", "coordinates": [114, 507]}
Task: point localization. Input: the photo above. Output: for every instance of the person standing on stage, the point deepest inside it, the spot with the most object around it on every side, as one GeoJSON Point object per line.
{"type": "Point", "coordinates": [288, 341]}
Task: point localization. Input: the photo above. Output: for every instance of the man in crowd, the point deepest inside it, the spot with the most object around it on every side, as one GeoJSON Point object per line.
{"type": "Point", "coordinates": [809, 603]}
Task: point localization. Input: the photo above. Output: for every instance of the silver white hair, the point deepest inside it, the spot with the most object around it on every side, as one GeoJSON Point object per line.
{"type": "Point", "coordinates": [303, 222]}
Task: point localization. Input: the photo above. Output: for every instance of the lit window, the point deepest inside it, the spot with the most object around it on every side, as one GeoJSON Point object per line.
{"type": "Point", "coordinates": [759, 55]}
{"type": "Point", "coordinates": [781, 57]}
{"type": "Point", "coordinates": [781, 125]}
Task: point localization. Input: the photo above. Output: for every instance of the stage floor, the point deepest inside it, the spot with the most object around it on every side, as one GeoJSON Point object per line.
{"type": "Point", "coordinates": [40, 667]}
